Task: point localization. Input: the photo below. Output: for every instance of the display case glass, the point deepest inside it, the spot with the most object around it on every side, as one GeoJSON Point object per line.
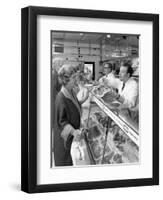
{"type": "Point", "coordinates": [112, 136]}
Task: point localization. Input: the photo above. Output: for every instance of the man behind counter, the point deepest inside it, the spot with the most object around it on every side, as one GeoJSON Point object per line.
{"type": "Point", "coordinates": [128, 88]}
{"type": "Point", "coordinates": [108, 74]}
{"type": "Point", "coordinates": [109, 78]}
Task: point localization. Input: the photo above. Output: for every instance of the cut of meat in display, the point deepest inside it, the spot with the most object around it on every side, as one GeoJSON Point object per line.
{"type": "Point", "coordinates": [118, 148]}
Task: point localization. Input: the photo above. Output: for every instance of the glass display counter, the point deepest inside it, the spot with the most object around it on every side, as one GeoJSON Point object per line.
{"type": "Point", "coordinates": [112, 137]}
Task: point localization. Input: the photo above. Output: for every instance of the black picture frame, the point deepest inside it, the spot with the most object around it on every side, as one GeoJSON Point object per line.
{"type": "Point", "coordinates": [29, 98]}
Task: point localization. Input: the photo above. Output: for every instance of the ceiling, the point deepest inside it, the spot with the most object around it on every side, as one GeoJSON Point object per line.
{"type": "Point", "coordinates": [76, 36]}
{"type": "Point", "coordinates": [114, 39]}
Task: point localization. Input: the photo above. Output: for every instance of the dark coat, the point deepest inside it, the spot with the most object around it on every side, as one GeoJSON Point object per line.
{"type": "Point", "coordinates": [66, 112]}
{"type": "Point", "coordinates": [55, 88]}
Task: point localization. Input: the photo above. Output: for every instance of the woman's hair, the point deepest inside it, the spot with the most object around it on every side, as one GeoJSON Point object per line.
{"type": "Point", "coordinates": [57, 62]}
{"type": "Point", "coordinates": [65, 73]}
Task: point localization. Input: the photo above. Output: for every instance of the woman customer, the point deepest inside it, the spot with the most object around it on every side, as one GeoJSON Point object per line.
{"type": "Point", "coordinates": [67, 118]}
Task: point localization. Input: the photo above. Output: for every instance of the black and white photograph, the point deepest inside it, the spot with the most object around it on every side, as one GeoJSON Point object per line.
{"type": "Point", "coordinates": [94, 99]}
{"type": "Point", "coordinates": [90, 86]}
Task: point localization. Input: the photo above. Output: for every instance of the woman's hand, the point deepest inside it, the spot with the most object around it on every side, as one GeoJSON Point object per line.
{"type": "Point", "coordinates": [77, 134]}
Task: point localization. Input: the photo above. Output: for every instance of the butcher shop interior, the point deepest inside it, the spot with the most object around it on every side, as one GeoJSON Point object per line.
{"type": "Point", "coordinates": [106, 78]}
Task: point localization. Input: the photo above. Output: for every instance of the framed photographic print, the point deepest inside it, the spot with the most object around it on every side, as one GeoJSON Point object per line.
{"type": "Point", "coordinates": [90, 99]}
